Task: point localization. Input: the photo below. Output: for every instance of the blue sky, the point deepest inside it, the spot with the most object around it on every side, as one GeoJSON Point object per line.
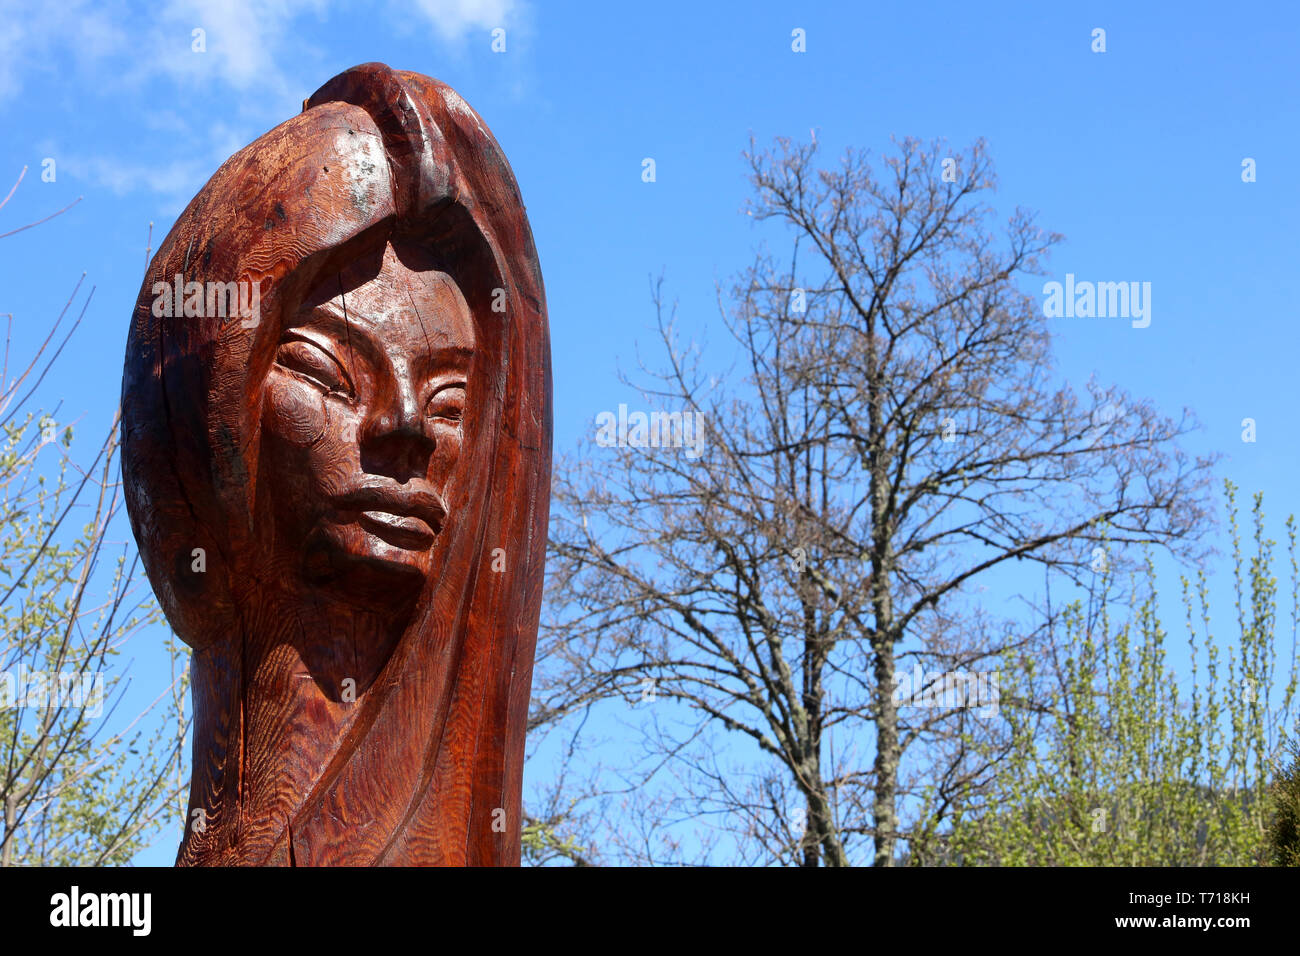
{"type": "Point", "coordinates": [1134, 154]}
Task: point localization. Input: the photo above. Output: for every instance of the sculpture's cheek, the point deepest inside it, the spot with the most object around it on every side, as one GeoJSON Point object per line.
{"type": "Point", "coordinates": [449, 443]}
{"type": "Point", "coordinates": [295, 412]}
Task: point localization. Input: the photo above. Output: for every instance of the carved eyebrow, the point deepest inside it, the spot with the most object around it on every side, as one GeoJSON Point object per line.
{"type": "Point", "coordinates": [327, 319]}
{"type": "Point", "coordinates": [457, 355]}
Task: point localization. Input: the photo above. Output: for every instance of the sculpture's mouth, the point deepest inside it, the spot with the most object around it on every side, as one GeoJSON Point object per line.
{"type": "Point", "coordinates": [403, 531]}
{"type": "Point", "coordinates": [407, 516]}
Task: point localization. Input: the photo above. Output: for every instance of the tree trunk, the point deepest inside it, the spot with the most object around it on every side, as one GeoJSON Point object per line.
{"type": "Point", "coordinates": [887, 754]}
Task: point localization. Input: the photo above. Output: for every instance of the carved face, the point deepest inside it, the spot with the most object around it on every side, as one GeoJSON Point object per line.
{"type": "Point", "coordinates": [363, 416]}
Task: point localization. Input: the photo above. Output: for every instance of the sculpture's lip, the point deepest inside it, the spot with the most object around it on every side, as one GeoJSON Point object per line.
{"type": "Point", "coordinates": [405, 531]}
{"type": "Point", "coordinates": [403, 509]}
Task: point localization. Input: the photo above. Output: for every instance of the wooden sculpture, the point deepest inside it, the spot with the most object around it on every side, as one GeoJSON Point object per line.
{"type": "Point", "coordinates": [336, 450]}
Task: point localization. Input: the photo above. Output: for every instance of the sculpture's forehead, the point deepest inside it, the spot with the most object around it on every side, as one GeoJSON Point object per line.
{"type": "Point", "coordinates": [399, 301]}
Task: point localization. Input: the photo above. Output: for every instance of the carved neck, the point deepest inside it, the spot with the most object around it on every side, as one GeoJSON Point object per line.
{"type": "Point", "coordinates": [274, 713]}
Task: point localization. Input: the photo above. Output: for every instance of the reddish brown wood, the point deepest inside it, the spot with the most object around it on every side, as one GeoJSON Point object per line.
{"type": "Point", "coordinates": [342, 507]}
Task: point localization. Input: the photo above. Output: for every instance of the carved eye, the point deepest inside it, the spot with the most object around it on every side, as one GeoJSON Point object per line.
{"type": "Point", "coordinates": [314, 364]}
{"type": "Point", "coordinates": [447, 403]}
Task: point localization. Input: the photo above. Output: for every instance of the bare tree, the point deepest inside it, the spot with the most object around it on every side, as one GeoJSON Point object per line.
{"type": "Point", "coordinates": [900, 434]}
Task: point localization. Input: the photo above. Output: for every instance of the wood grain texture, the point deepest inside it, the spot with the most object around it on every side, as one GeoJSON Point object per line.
{"type": "Point", "coordinates": [341, 497]}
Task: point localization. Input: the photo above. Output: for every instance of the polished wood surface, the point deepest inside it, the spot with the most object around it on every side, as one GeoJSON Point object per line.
{"type": "Point", "coordinates": [340, 490]}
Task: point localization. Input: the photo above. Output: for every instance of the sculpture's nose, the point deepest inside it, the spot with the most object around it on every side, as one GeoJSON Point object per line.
{"type": "Point", "coordinates": [395, 440]}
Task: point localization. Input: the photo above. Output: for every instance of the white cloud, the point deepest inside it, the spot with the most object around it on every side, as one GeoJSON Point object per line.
{"type": "Point", "coordinates": [33, 32]}
{"type": "Point", "coordinates": [141, 63]}
{"type": "Point", "coordinates": [452, 19]}
{"type": "Point", "coordinates": [247, 42]}
{"type": "Point", "coordinates": [175, 181]}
